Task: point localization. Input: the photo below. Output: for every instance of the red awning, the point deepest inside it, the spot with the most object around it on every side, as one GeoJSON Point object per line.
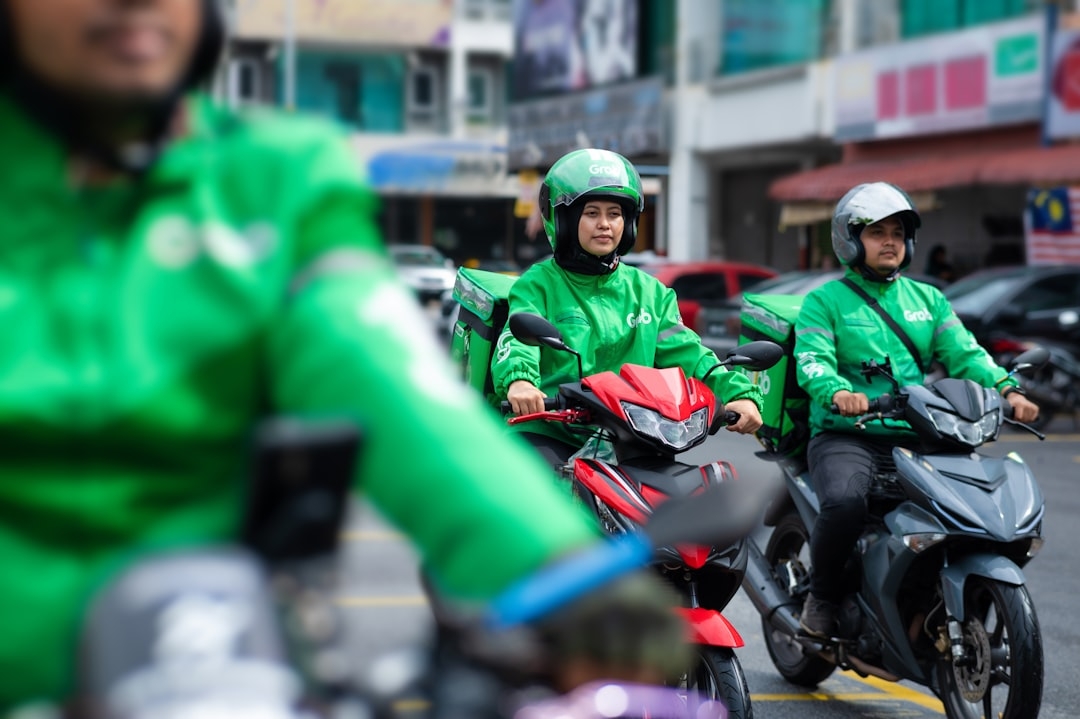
{"type": "Point", "coordinates": [1055, 165]}
{"type": "Point", "coordinates": [1035, 165]}
{"type": "Point", "coordinates": [830, 182]}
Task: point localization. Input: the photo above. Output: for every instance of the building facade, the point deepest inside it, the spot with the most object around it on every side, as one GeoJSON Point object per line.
{"type": "Point", "coordinates": [421, 87]}
{"type": "Point", "coordinates": [782, 105]}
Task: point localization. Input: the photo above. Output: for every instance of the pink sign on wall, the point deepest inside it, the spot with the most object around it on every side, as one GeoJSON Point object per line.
{"type": "Point", "coordinates": [983, 76]}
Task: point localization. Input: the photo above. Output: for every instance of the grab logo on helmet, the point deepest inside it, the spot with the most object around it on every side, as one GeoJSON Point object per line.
{"type": "Point", "coordinates": [604, 163]}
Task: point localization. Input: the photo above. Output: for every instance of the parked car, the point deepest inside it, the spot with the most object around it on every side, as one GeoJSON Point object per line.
{"type": "Point", "coordinates": [704, 284]}
{"type": "Point", "coordinates": [721, 326]}
{"type": "Point", "coordinates": [425, 269]}
{"type": "Point", "coordinates": [1041, 301]}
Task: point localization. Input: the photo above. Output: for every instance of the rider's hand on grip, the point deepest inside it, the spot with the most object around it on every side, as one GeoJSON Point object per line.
{"type": "Point", "coordinates": [627, 630]}
{"type": "Point", "coordinates": [850, 404]}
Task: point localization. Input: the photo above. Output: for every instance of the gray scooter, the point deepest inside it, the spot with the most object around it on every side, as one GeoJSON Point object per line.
{"type": "Point", "coordinates": [936, 593]}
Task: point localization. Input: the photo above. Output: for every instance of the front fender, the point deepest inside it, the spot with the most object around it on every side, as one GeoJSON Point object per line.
{"type": "Point", "coordinates": [991, 566]}
{"type": "Point", "coordinates": [708, 626]}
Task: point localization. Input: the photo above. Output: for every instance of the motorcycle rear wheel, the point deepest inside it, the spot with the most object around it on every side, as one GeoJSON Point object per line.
{"type": "Point", "coordinates": [1001, 634]}
{"type": "Point", "coordinates": [790, 543]}
{"type": "Point", "coordinates": [718, 676]}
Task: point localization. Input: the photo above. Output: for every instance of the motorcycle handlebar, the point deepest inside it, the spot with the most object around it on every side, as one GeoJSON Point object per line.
{"type": "Point", "coordinates": [878, 405]}
{"type": "Point", "coordinates": [550, 403]}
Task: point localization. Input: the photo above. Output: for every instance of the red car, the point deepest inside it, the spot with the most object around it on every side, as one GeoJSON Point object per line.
{"type": "Point", "coordinates": [705, 283]}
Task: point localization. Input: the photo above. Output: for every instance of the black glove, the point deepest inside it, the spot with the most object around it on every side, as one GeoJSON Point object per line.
{"type": "Point", "coordinates": [626, 630]}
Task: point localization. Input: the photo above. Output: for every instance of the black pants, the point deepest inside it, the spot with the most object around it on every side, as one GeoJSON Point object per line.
{"type": "Point", "coordinates": [841, 466]}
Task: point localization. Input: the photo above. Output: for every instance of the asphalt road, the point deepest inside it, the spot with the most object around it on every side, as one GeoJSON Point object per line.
{"type": "Point", "coordinates": [385, 610]}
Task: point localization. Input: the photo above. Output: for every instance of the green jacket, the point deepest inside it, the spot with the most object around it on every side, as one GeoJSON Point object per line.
{"type": "Point", "coordinates": [626, 317]}
{"type": "Point", "coordinates": [147, 327]}
{"type": "Point", "coordinates": [837, 330]}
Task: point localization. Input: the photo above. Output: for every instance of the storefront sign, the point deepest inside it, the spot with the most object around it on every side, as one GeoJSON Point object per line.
{"type": "Point", "coordinates": [399, 23]}
{"type": "Point", "coordinates": [446, 168]}
{"type": "Point", "coordinates": [629, 119]}
{"type": "Point", "coordinates": [1063, 101]}
{"type": "Point", "coordinates": [975, 78]}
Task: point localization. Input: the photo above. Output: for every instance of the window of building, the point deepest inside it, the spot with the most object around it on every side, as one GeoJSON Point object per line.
{"type": "Point", "coordinates": [364, 90]}
{"type": "Point", "coordinates": [422, 98]}
{"type": "Point", "coordinates": [480, 105]}
{"type": "Point", "coordinates": [486, 9]}
{"type": "Point", "coordinates": [247, 83]}
{"type": "Point", "coordinates": [344, 78]}
{"type": "Point", "coordinates": [760, 34]}
{"type": "Point", "coordinates": [923, 17]}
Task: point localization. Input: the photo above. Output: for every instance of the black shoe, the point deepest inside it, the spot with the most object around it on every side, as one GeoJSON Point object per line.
{"type": "Point", "coordinates": [818, 617]}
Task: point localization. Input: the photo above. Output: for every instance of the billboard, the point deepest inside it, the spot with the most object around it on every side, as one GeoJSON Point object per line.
{"type": "Point", "coordinates": [566, 45]}
{"type": "Point", "coordinates": [401, 23]}
{"type": "Point", "coordinates": [980, 77]}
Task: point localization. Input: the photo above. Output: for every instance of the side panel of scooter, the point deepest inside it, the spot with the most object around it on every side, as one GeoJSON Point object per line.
{"type": "Point", "coordinates": [886, 562]}
{"type": "Point", "coordinates": [605, 482]}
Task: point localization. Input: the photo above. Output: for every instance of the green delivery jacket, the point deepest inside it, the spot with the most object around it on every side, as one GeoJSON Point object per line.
{"type": "Point", "coordinates": [836, 331]}
{"type": "Point", "coordinates": [147, 327]}
{"type": "Point", "coordinates": [625, 317]}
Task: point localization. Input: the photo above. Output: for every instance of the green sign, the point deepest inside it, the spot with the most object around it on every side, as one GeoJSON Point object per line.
{"type": "Point", "coordinates": [1017, 55]}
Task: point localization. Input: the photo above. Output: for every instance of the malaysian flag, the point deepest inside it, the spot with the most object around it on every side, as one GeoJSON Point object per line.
{"type": "Point", "coordinates": [1052, 222]}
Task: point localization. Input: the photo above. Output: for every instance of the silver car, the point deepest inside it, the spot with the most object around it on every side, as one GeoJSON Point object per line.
{"type": "Point", "coordinates": [425, 269]}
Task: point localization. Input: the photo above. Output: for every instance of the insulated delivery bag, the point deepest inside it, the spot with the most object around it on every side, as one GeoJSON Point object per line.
{"type": "Point", "coordinates": [483, 299]}
{"type": "Point", "coordinates": [785, 412]}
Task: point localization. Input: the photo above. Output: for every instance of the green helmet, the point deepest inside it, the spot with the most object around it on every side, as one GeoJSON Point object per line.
{"type": "Point", "coordinates": [592, 173]}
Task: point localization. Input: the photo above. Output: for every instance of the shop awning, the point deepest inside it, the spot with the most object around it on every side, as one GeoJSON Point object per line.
{"type": "Point", "coordinates": [829, 183]}
{"type": "Point", "coordinates": [1057, 165]}
{"type": "Point", "coordinates": [810, 212]}
{"type": "Point", "coordinates": [1035, 166]}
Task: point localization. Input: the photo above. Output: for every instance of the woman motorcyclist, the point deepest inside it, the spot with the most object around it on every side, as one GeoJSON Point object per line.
{"type": "Point", "coordinates": [873, 235]}
{"type": "Point", "coordinates": [169, 273]}
{"type": "Point", "coordinates": [612, 313]}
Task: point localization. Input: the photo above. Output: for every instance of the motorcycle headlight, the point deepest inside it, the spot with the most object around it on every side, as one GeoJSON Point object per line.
{"type": "Point", "coordinates": [677, 435]}
{"type": "Point", "coordinates": [971, 433]}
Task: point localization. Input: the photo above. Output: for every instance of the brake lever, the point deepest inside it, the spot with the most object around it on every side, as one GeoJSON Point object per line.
{"type": "Point", "coordinates": [565, 416]}
{"type": "Point", "coordinates": [1021, 425]}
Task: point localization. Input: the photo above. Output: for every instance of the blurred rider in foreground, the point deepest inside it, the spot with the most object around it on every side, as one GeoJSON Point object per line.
{"type": "Point", "coordinates": [170, 273]}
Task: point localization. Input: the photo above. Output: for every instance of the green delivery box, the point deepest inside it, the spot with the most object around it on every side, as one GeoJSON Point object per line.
{"type": "Point", "coordinates": [483, 299]}
{"type": "Point", "coordinates": [785, 413]}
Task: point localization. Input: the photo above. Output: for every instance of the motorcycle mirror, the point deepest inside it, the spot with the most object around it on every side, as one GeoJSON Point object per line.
{"type": "Point", "coordinates": [1029, 360]}
{"type": "Point", "coordinates": [533, 330]}
{"type": "Point", "coordinates": [755, 356]}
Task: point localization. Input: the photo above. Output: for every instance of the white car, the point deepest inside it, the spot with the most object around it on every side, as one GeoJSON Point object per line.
{"type": "Point", "coordinates": [425, 269]}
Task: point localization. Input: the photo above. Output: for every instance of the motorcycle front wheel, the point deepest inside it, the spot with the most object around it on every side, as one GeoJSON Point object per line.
{"type": "Point", "coordinates": [788, 555]}
{"type": "Point", "coordinates": [718, 676]}
{"type": "Point", "coordinates": [1002, 677]}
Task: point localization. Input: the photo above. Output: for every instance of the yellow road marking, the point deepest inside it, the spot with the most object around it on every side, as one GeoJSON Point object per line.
{"type": "Point", "coordinates": [411, 705]}
{"type": "Point", "coordinates": [886, 691]}
{"type": "Point", "coordinates": [406, 600]}
{"type": "Point", "coordinates": [901, 692]}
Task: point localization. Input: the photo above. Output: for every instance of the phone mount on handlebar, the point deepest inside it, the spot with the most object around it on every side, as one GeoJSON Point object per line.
{"type": "Point", "coordinates": [870, 368]}
{"type": "Point", "coordinates": [299, 488]}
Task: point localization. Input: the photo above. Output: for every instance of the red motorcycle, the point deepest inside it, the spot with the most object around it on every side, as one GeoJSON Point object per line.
{"type": "Point", "coordinates": [644, 417]}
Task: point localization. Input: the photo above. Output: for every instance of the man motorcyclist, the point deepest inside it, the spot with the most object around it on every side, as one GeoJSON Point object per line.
{"type": "Point", "coordinates": [873, 235]}
{"type": "Point", "coordinates": [613, 314]}
{"type": "Point", "coordinates": [169, 273]}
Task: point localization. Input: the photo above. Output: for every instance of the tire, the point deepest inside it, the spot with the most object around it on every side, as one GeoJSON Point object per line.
{"type": "Point", "coordinates": [789, 546]}
{"type": "Point", "coordinates": [1001, 627]}
{"type": "Point", "coordinates": [718, 676]}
